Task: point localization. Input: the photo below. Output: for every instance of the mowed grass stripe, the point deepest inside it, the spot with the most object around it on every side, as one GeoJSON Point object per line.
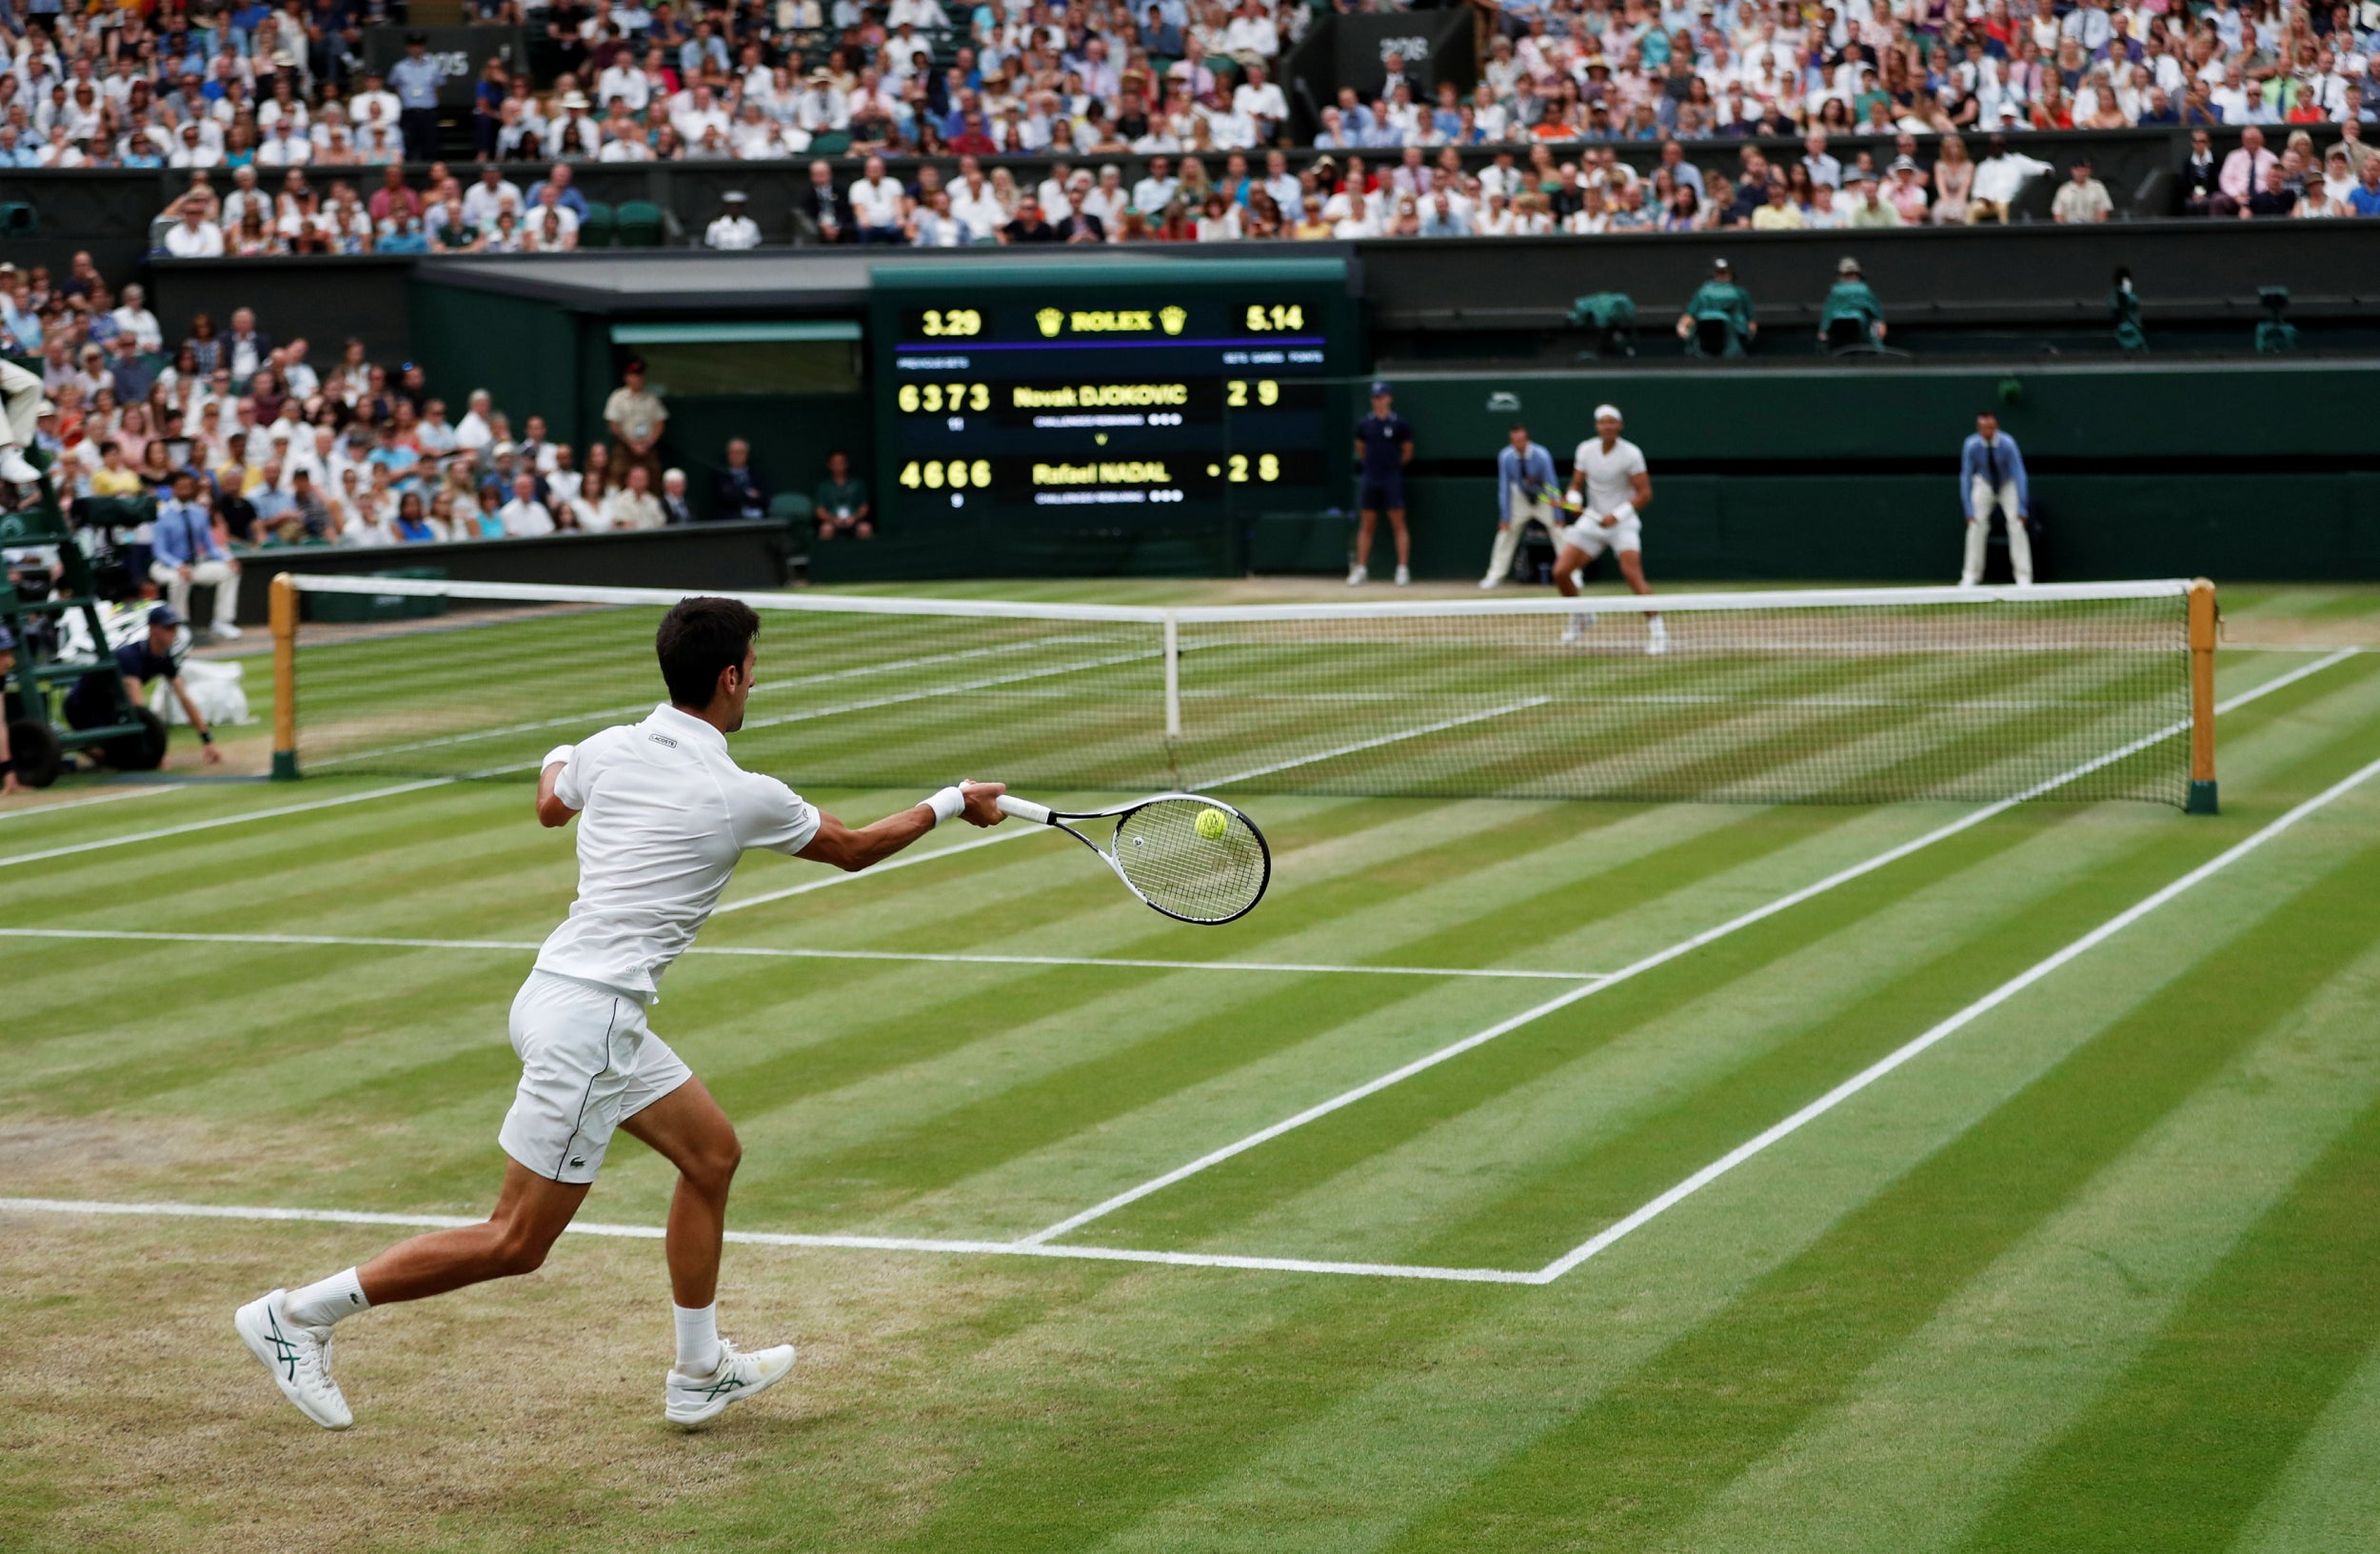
{"type": "Point", "coordinates": [1181, 1034]}
{"type": "Point", "coordinates": [1231, 1193]}
{"type": "Point", "coordinates": [1193, 1213]}
{"type": "Point", "coordinates": [1935, 1431]}
{"type": "Point", "coordinates": [1504, 1172]}
{"type": "Point", "coordinates": [1124, 1074]}
{"type": "Point", "coordinates": [2329, 1496]}
{"type": "Point", "coordinates": [2176, 1453]}
{"type": "Point", "coordinates": [1802, 1056]}
{"type": "Point", "coordinates": [1464, 1399]}
{"type": "Point", "coordinates": [1650, 1452]}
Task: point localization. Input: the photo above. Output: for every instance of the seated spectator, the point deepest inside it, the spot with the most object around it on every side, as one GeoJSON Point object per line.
{"type": "Point", "coordinates": [1027, 226]}
{"type": "Point", "coordinates": [1998, 179]}
{"type": "Point", "coordinates": [2084, 199]}
{"type": "Point", "coordinates": [2363, 200]}
{"type": "Point", "coordinates": [675, 509]}
{"type": "Point", "coordinates": [736, 492]}
{"type": "Point", "coordinates": [2275, 198]}
{"type": "Point", "coordinates": [526, 517]}
{"type": "Point", "coordinates": [194, 236]}
{"type": "Point", "coordinates": [632, 504]}
{"type": "Point", "coordinates": [840, 501]}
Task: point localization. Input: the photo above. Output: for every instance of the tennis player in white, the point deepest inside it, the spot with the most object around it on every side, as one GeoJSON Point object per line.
{"type": "Point", "coordinates": [1611, 471]}
{"type": "Point", "coordinates": [664, 814]}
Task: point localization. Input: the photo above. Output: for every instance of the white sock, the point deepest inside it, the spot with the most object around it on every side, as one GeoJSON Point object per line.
{"type": "Point", "coordinates": [698, 1338]}
{"type": "Point", "coordinates": [321, 1304]}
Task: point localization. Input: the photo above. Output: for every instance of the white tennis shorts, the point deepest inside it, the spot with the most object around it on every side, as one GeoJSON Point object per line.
{"type": "Point", "coordinates": [1590, 537]}
{"type": "Point", "coordinates": [588, 1061]}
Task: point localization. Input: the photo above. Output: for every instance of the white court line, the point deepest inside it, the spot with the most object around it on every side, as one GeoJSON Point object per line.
{"type": "Point", "coordinates": [1759, 914]}
{"type": "Point", "coordinates": [1521, 706]}
{"type": "Point", "coordinates": [1965, 1017]}
{"type": "Point", "coordinates": [775, 952]}
{"type": "Point", "coordinates": [762, 1238]}
{"type": "Point", "coordinates": [227, 820]}
{"type": "Point", "coordinates": [96, 798]}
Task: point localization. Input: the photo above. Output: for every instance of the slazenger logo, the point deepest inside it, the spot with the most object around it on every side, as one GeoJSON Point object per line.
{"type": "Point", "coordinates": [1405, 48]}
{"type": "Point", "coordinates": [1503, 398]}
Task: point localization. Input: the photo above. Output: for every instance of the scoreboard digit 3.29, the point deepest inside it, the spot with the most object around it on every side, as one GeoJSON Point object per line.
{"type": "Point", "coordinates": [1173, 397]}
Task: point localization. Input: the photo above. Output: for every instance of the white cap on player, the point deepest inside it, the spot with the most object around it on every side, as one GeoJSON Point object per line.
{"type": "Point", "coordinates": [1612, 410]}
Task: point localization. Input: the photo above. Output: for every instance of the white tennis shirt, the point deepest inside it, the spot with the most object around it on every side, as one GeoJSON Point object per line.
{"type": "Point", "coordinates": [664, 814]}
{"type": "Point", "coordinates": [1609, 475]}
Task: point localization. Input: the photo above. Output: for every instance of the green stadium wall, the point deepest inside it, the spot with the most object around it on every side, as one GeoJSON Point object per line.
{"type": "Point", "coordinates": [2242, 468]}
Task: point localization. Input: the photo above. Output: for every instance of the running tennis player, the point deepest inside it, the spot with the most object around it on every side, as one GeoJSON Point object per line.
{"type": "Point", "coordinates": [1610, 470]}
{"type": "Point", "coordinates": [664, 814]}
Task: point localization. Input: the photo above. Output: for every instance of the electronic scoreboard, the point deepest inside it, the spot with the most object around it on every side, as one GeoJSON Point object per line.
{"type": "Point", "coordinates": [1165, 397]}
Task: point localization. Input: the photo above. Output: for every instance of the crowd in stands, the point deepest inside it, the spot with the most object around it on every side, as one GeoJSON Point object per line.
{"type": "Point", "coordinates": [285, 451]}
{"type": "Point", "coordinates": [281, 105]}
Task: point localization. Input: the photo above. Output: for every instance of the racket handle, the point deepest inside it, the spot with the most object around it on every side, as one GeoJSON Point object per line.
{"type": "Point", "coordinates": [1023, 809]}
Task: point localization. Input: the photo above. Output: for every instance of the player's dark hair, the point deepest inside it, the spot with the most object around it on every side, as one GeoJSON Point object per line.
{"type": "Point", "coordinates": [700, 639]}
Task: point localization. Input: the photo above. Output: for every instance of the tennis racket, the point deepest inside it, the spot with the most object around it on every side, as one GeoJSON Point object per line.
{"type": "Point", "coordinates": [1559, 498]}
{"type": "Point", "coordinates": [1195, 859]}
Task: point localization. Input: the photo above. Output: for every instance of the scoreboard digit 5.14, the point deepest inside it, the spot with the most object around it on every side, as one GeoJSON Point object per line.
{"type": "Point", "coordinates": [1170, 395]}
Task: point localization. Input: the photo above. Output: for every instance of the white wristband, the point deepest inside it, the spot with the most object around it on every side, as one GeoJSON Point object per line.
{"type": "Point", "coordinates": [1625, 512]}
{"type": "Point", "coordinates": [560, 753]}
{"type": "Point", "coordinates": [946, 804]}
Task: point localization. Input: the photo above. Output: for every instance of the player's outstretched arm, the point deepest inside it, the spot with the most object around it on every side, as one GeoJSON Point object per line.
{"type": "Point", "coordinates": [551, 811]}
{"type": "Point", "coordinates": [851, 850]}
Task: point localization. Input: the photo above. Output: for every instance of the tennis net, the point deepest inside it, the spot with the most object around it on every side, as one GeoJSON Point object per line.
{"type": "Point", "coordinates": [2090, 691]}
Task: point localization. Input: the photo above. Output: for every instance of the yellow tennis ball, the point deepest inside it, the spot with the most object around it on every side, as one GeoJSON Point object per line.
{"type": "Point", "coordinates": [1211, 824]}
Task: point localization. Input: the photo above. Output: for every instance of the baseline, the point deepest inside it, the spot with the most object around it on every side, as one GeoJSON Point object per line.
{"type": "Point", "coordinates": [763, 1238]}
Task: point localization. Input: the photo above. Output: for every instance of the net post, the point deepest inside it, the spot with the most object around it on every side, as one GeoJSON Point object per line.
{"type": "Point", "coordinates": [2202, 632]}
{"type": "Point", "coordinates": [1173, 676]}
{"type": "Point", "coordinates": [284, 628]}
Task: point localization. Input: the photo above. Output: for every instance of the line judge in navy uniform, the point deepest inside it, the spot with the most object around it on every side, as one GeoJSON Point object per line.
{"type": "Point", "coordinates": [140, 661]}
{"type": "Point", "coordinates": [1383, 448]}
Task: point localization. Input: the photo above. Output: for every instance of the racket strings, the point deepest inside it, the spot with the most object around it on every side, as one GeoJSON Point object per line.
{"type": "Point", "coordinates": [1203, 879]}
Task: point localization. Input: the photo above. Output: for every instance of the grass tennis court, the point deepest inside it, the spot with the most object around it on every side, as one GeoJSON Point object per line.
{"type": "Point", "coordinates": [2053, 1242]}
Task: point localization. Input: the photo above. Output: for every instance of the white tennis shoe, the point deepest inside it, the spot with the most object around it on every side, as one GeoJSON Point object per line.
{"type": "Point", "coordinates": [690, 1400]}
{"type": "Point", "coordinates": [1574, 629]}
{"type": "Point", "coordinates": [1656, 639]}
{"type": "Point", "coordinates": [299, 1359]}
{"type": "Point", "coordinates": [1404, 575]}
{"type": "Point", "coordinates": [15, 468]}
{"type": "Point", "coordinates": [1358, 576]}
